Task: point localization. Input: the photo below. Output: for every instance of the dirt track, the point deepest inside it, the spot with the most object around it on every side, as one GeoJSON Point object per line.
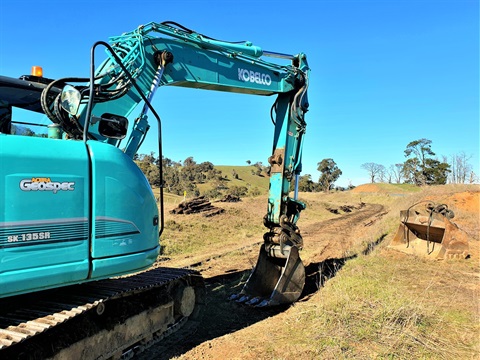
{"type": "Point", "coordinates": [334, 238]}
{"type": "Point", "coordinates": [327, 246]}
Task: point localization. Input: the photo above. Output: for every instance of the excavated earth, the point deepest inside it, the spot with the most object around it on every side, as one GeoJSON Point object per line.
{"type": "Point", "coordinates": [227, 326]}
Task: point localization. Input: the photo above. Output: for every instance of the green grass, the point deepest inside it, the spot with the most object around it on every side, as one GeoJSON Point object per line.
{"type": "Point", "coordinates": [245, 177]}
{"type": "Point", "coordinates": [399, 188]}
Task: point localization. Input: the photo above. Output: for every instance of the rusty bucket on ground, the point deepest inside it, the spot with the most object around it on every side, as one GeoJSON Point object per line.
{"type": "Point", "coordinates": [430, 232]}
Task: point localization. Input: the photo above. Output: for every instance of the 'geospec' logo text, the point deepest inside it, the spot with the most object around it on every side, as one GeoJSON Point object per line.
{"type": "Point", "coordinates": [254, 77]}
{"type": "Point", "coordinates": [45, 184]}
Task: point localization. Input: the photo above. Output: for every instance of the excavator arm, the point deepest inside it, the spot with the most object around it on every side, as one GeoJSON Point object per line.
{"type": "Point", "coordinates": [139, 62]}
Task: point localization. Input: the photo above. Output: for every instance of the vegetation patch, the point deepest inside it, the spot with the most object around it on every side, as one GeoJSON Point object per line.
{"type": "Point", "coordinates": [377, 307]}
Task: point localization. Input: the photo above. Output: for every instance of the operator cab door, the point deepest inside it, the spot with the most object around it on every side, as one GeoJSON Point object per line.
{"type": "Point", "coordinates": [44, 213]}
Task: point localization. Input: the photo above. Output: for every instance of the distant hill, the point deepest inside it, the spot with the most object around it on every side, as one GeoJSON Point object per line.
{"type": "Point", "coordinates": [246, 176]}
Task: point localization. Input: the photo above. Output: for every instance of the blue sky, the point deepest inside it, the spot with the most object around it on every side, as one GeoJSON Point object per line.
{"type": "Point", "coordinates": [383, 73]}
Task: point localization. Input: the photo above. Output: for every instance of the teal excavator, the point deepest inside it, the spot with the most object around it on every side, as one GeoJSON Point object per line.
{"type": "Point", "coordinates": [79, 222]}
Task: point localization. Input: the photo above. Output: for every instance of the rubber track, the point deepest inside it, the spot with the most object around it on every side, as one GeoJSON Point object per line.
{"type": "Point", "coordinates": [38, 313]}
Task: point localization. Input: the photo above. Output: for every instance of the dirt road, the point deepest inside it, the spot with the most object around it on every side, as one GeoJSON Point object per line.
{"type": "Point", "coordinates": [327, 246]}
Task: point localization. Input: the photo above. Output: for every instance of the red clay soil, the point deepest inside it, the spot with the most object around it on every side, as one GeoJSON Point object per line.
{"type": "Point", "coordinates": [467, 201]}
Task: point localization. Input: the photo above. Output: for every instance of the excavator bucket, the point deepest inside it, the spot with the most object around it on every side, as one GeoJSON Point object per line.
{"type": "Point", "coordinates": [278, 278]}
{"type": "Point", "coordinates": [431, 233]}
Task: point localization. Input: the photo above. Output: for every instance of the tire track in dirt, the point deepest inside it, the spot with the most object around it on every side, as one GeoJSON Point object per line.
{"type": "Point", "coordinates": [325, 242]}
{"type": "Point", "coordinates": [325, 239]}
{"type": "Point", "coordinates": [333, 238]}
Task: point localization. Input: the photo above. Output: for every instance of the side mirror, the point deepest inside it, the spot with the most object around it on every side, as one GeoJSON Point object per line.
{"type": "Point", "coordinates": [113, 126]}
{"type": "Point", "coordinates": [70, 99]}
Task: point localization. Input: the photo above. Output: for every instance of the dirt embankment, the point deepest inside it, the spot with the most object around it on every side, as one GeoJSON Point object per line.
{"type": "Point", "coordinates": [332, 239]}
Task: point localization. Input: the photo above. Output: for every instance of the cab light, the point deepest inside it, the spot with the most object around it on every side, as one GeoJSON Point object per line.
{"type": "Point", "coordinates": [37, 71]}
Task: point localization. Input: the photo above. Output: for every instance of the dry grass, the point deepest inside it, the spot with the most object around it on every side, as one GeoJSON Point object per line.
{"type": "Point", "coordinates": [188, 235]}
{"type": "Point", "coordinates": [379, 308]}
{"type": "Point", "coordinates": [384, 305]}
{"type": "Point", "coordinates": [392, 305]}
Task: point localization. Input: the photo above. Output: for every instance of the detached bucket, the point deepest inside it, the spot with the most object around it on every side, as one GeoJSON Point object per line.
{"type": "Point", "coordinates": [431, 234]}
{"type": "Point", "coordinates": [278, 278]}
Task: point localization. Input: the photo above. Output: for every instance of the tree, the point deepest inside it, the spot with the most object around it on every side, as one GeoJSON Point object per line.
{"type": "Point", "coordinates": [436, 172]}
{"type": "Point", "coordinates": [237, 190]}
{"type": "Point", "coordinates": [384, 176]}
{"type": "Point", "coordinates": [149, 166]}
{"type": "Point", "coordinates": [420, 150]}
{"type": "Point", "coordinates": [421, 168]}
{"type": "Point", "coordinates": [397, 172]}
{"type": "Point", "coordinates": [259, 168]}
{"type": "Point", "coordinates": [473, 178]}
{"type": "Point", "coordinates": [410, 171]}
{"type": "Point", "coordinates": [189, 162]}
{"type": "Point", "coordinates": [205, 166]}
{"type": "Point", "coordinates": [373, 170]}
{"type": "Point", "coordinates": [329, 174]}
{"type": "Point", "coordinates": [460, 168]}
{"type": "Point", "coordinates": [305, 183]}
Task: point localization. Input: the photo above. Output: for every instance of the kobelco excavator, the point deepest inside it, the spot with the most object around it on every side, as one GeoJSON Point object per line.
{"type": "Point", "coordinates": [78, 217]}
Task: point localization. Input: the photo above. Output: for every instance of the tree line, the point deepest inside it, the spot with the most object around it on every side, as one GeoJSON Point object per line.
{"type": "Point", "coordinates": [180, 177]}
{"type": "Point", "coordinates": [421, 167]}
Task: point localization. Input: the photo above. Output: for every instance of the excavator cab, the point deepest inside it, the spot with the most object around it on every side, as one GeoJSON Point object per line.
{"type": "Point", "coordinates": [430, 233]}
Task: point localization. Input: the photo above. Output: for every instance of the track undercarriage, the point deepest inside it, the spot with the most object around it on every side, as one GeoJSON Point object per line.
{"type": "Point", "coordinates": [109, 319]}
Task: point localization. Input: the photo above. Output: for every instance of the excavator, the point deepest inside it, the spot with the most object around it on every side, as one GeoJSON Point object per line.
{"type": "Point", "coordinates": [80, 225]}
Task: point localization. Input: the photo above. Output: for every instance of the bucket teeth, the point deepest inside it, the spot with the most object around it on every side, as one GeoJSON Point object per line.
{"type": "Point", "coordinates": [254, 301]}
{"type": "Point", "coordinates": [243, 299]}
{"type": "Point", "coordinates": [257, 301]}
{"type": "Point", "coordinates": [234, 297]}
{"type": "Point", "coordinates": [264, 303]}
